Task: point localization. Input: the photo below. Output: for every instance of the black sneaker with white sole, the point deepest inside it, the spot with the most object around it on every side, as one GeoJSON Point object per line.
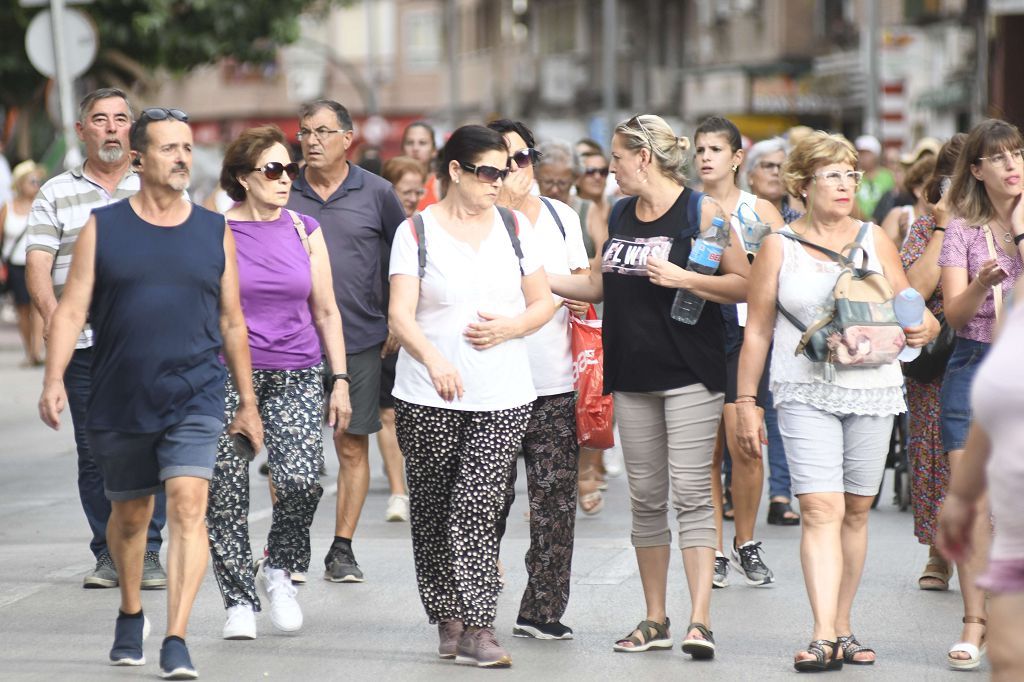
{"type": "Point", "coordinates": [748, 561]}
{"type": "Point", "coordinates": [529, 628]}
{"type": "Point", "coordinates": [341, 566]}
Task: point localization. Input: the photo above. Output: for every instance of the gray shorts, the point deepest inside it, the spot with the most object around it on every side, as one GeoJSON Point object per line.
{"type": "Point", "coordinates": [364, 391]}
{"type": "Point", "coordinates": [137, 464]}
{"type": "Point", "coordinates": [830, 453]}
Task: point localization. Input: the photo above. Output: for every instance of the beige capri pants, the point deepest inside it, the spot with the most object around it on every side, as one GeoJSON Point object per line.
{"type": "Point", "coordinates": [668, 438]}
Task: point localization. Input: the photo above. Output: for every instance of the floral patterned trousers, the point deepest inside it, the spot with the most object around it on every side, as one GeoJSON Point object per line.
{"type": "Point", "coordinates": [291, 404]}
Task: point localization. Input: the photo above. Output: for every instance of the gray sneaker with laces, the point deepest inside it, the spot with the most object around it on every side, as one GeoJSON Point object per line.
{"type": "Point", "coordinates": [747, 559]}
{"type": "Point", "coordinates": [721, 577]}
{"type": "Point", "coordinates": [104, 575]}
{"type": "Point", "coordinates": [480, 647]}
{"type": "Point", "coordinates": [153, 576]}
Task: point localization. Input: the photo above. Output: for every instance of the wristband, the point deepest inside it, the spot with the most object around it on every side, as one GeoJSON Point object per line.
{"type": "Point", "coordinates": [938, 229]}
{"type": "Point", "coordinates": [1017, 239]}
{"type": "Point", "coordinates": [342, 376]}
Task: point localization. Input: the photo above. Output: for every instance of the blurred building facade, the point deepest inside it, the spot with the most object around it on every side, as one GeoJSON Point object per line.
{"type": "Point", "coordinates": [768, 64]}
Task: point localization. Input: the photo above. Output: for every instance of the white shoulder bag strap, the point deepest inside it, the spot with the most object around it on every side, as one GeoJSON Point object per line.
{"type": "Point", "coordinates": [997, 290]}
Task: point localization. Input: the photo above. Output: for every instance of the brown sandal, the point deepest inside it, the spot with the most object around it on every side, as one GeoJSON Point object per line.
{"type": "Point", "coordinates": [936, 575]}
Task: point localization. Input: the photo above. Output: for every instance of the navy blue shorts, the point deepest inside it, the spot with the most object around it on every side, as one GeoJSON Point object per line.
{"type": "Point", "coordinates": [137, 464]}
{"type": "Point", "coordinates": [956, 391]}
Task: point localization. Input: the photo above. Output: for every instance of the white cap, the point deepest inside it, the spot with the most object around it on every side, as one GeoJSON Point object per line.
{"type": "Point", "coordinates": [868, 143]}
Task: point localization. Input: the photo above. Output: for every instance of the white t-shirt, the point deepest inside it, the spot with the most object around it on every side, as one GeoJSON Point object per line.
{"type": "Point", "coordinates": [457, 284]}
{"type": "Point", "coordinates": [550, 346]}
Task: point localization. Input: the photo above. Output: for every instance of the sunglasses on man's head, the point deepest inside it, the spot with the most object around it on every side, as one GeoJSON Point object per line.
{"type": "Point", "coordinates": [485, 173]}
{"type": "Point", "coordinates": [525, 157]}
{"type": "Point", "coordinates": [161, 114]}
{"type": "Point", "coordinates": [275, 169]}
{"type": "Point", "coordinates": [603, 172]}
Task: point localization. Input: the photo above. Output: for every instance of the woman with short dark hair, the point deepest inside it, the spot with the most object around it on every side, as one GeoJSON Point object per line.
{"type": "Point", "coordinates": [466, 287]}
{"type": "Point", "coordinates": [288, 300]}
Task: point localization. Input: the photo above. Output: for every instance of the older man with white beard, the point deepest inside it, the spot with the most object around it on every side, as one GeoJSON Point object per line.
{"type": "Point", "coordinates": [61, 208]}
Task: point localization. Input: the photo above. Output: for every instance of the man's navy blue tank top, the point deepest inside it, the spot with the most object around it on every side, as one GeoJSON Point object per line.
{"type": "Point", "coordinates": [155, 316]}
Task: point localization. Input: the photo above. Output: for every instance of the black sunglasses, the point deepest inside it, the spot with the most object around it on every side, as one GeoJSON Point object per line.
{"type": "Point", "coordinates": [524, 157]}
{"type": "Point", "coordinates": [603, 172]}
{"type": "Point", "coordinates": [485, 173]}
{"type": "Point", "coordinates": [274, 169]}
{"type": "Point", "coordinates": [161, 114]}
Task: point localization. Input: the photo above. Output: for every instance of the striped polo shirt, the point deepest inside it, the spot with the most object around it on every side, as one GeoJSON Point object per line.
{"type": "Point", "coordinates": [59, 212]}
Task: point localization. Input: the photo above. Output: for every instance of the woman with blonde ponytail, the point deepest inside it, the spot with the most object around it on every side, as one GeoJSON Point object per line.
{"type": "Point", "coordinates": [667, 378]}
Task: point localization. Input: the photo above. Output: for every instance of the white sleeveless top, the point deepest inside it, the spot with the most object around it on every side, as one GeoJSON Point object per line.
{"type": "Point", "coordinates": [805, 290]}
{"type": "Point", "coordinates": [15, 239]}
{"type": "Point", "coordinates": [748, 201]}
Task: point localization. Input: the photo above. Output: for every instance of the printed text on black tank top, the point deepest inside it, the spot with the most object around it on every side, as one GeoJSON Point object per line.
{"type": "Point", "coordinates": [629, 256]}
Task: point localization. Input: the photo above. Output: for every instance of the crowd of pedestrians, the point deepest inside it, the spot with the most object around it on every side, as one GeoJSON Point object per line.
{"type": "Point", "coordinates": [431, 305]}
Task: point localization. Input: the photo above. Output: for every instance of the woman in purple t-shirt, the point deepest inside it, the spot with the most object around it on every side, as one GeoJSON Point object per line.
{"type": "Point", "coordinates": [288, 301]}
{"type": "Point", "coordinates": [981, 261]}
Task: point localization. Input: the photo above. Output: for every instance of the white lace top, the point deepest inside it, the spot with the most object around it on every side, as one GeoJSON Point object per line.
{"type": "Point", "coordinates": [805, 290]}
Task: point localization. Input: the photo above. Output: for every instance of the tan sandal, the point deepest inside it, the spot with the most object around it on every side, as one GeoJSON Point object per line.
{"type": "Point", "coordinates": [936, 575]}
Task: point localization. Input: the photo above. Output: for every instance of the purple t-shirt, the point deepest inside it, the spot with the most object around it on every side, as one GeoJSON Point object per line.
{"type": "Point", "coordinates": [965, 247]}
{"type": "Point", "coordinates": [276, 282]}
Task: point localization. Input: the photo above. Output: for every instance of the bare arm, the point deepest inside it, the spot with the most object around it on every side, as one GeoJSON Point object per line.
{"type": "Point", "coordinates": [405, 294]}
{"type": "Point", "coordinates": [235, 337]}
{"type": "Point", "coordinates": [586, 286]}
{"type": "Point", "coordinates": [892, 224]}
{"type": "Point", "coordinates": [963, 298]}
{"type": "Point", "coordinates": [66, 323]}
{"type": "Point", "coordinates": [327, 319]}
{"type": "Point", "coordinates": [893, 270]}
{"type": "Point", "coordinates": [924, 274]}
{"type": "Point", "coordinates": [769, 214]}
{"type": "Point", "coordinates": [728, 287]}
{"type": "Point", "coordinates": [966, 487]}
{"type": "Point", "coordinates": [38, 266]}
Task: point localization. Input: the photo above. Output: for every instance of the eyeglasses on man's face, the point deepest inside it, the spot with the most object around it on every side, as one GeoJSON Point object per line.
{"type": "Point", "coordinates": [549, 183]}
{"type": "Point", "coordinates": [837, 178]}
{"type": "Point", "coordinates": [487, 174]}
{"type": "Point", "coordinates": [525, 157]}
{"type": "Point", "coordinates": [321, 133]}
{"type": "Point", "coordinates": [770, 166]}
{"type": "Point", "coordinates": [1004, 159]}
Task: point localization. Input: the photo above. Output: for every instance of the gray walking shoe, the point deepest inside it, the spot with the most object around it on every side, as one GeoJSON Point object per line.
{"type": "Point", "coordinates": [747, 559]}
{"type": "Point", "coordinates": [104, 575]}
{"type": "Point", "coordinates": [153, 576]}
{"type": "Point", "coordinates": [341, 566]}
{"type": "Point", "coordinates": [449, 632]}
{"type": "Point", "coordinates": [480, 647]}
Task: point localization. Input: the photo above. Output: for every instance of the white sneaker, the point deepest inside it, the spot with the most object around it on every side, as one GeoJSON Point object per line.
{"type": "Point", "coordinates": [398, 508]}
{"type": "Point", "coordinates": [241, 622]}
{"type": "Point", "coordinates": [285, 613]}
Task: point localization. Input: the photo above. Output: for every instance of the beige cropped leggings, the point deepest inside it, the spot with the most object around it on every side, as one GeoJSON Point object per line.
{"type": "Point", "coordinates": [667, 442]}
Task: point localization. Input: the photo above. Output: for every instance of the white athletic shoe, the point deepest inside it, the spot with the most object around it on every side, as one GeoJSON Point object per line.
{"type": "Point", "coordinates": [241, 622]}
{"type": "Point", "coordinates": [398, 508]}
{"type": "Point", "coordinates": [285, 613]}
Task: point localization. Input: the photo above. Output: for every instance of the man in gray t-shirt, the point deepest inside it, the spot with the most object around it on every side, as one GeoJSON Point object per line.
{"type": "Point", "coordinates": [358, 213]}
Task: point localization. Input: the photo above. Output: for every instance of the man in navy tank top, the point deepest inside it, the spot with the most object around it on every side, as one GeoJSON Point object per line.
{"type": "Point", "coordinates": [156, 277]}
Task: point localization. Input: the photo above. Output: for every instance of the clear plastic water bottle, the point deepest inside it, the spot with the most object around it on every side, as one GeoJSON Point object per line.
{"type": "Point", "coordinates": [909, 308]}
{"type": "Point", "coordinates": [705, 257]}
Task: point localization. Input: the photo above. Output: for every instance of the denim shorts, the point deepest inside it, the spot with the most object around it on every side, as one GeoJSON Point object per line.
{"type": "Point", "coordinates": [956, 391]}
{"type": "Point", "coordinates": [137, 464]}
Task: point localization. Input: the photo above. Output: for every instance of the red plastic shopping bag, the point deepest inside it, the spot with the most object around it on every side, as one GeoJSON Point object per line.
{"type": "Point", "coordinates": [593, 410]}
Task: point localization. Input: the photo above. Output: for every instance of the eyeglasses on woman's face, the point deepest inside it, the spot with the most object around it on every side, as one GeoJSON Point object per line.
{"type": "Point", "coordinates": [838, 178]}
{"type": "Point", "coordinates": [1005, 159]}
{"type": "Point", "coordinates": [274, 170]}
{"type": "Point", "coordinates": [488, 174]}
{"type": "Point", "coordinates": [597, 171]}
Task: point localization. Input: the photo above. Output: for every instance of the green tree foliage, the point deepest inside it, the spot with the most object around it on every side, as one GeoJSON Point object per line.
{"type": "Point", "coordinates": [138, 36]}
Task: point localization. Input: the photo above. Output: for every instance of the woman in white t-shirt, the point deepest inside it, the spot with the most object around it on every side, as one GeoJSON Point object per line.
{"type": "Point", "coordinates": [550, 449]}
{"type": "Point", "coordinates": [25, 180]}
{"type": "Point", "coordinates": [465, 290]}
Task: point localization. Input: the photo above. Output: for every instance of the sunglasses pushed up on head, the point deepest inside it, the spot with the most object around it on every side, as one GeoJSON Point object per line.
{"type": "Point", "coordinates": [162, 114]}
{"type": "Point", "coordinates": [275, 169]}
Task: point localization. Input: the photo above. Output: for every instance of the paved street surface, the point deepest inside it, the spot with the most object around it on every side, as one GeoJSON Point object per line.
{"type": "Point", "coordinates": [51, 628]}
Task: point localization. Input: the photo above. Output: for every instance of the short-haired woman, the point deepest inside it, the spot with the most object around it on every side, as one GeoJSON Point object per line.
{"type": "Point", "coordinates": [763, 175]}
{"type": "Point", "coordinates": [26, 178]}
{"type": "Point", "coordinates": [288, 300]}
{"type": "Point", "coordinates": [836, 432]}
{"type": "Point", "coordinates": [667, 378]}
{"type": "Point", "coordinates": [462, 299]}
{"type": "Point", "coordinates": [981, 262]}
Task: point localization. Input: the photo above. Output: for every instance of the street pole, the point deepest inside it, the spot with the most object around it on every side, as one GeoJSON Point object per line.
{"type": "Point", "coordinates": [452, 22]}
{"type": "Point", "coordinates": [72, 155]}
{"type": "Point", "coordinates": [873, 86]}
{"type": "Point", "coordinates": [369, 10]}
{"type": "Point", "coordinates": [979, 110]}
{"type": "Point", "coordinates": [609, 31]}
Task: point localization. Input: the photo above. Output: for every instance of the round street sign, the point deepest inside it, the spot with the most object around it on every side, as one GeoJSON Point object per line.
{"type": "Point", "coordinates": [79, 38]}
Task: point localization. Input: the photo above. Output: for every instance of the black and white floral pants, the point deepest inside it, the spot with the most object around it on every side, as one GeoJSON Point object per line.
{"type": "Point", "coordinates": [291, 404]}
{"type": "Point", "coordinates": [551, 455]}
{"type": "Point", "coordinates": [457, 465]}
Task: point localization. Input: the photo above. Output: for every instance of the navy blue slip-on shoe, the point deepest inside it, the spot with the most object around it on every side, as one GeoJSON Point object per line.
{"type": "Point", "coordinates": [175, 663]}
{"type": "Point", "coordinates": [129, 633]}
